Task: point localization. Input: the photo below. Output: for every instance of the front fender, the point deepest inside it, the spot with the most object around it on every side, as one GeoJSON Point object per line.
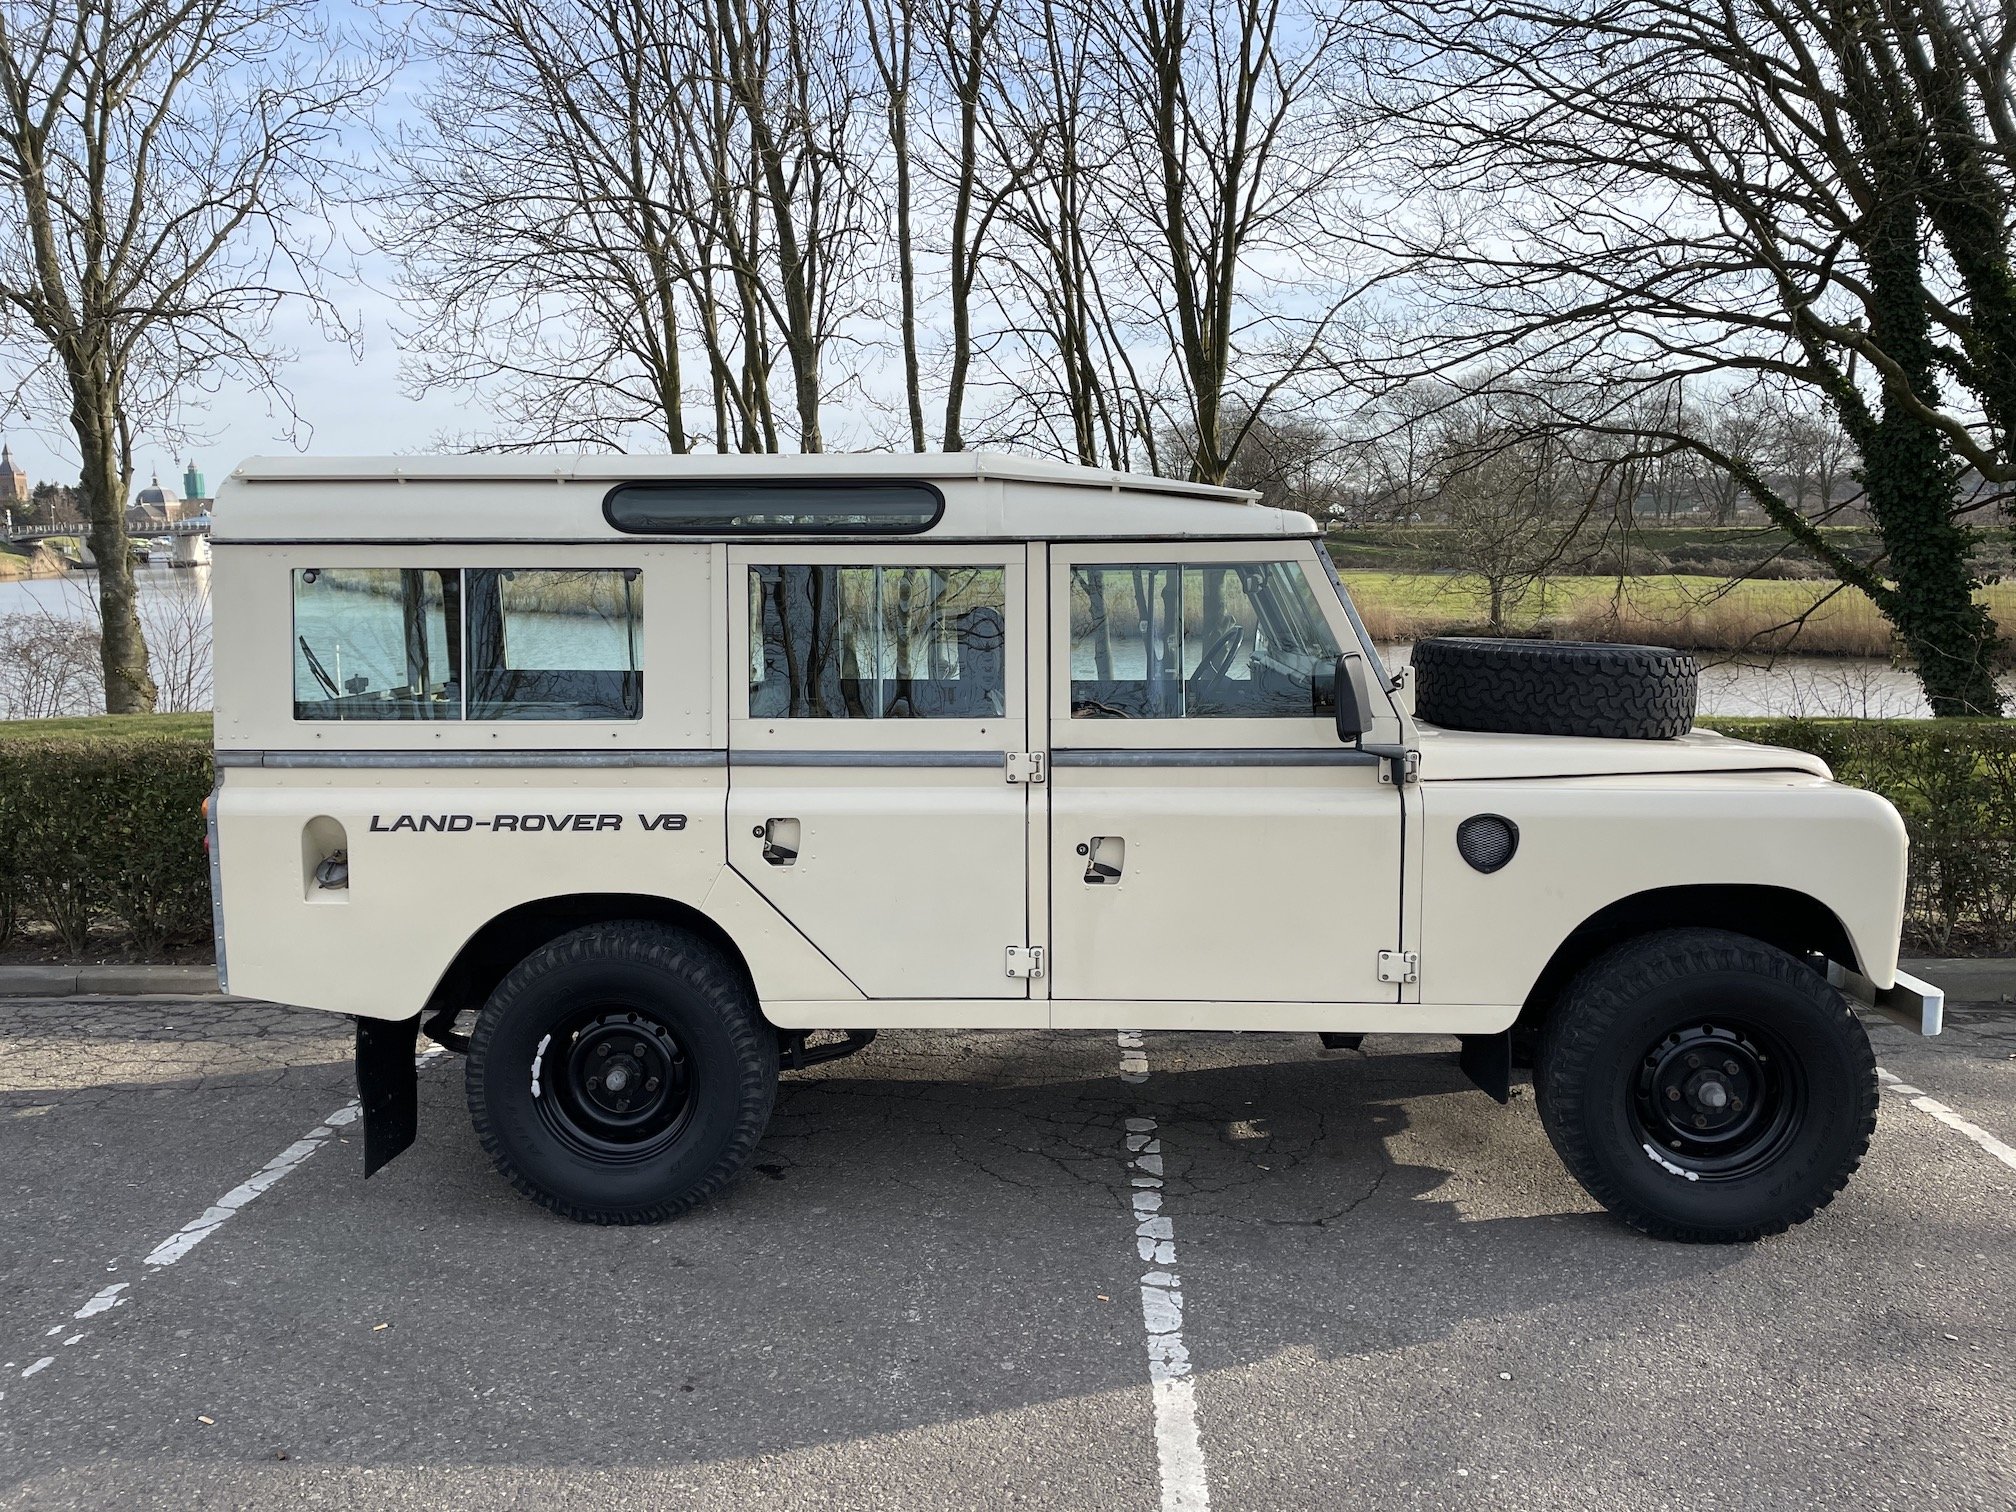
{"type": "Point", "coordinates": [1587, 843]}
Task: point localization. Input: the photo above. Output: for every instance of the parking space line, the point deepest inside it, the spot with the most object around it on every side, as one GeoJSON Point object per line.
{"type": "Point", "coordinates": [193, 1233]}
{"type": "Point", "coordinates": [1179, 1451]}
{"type": "Point", "coordinates": [1948, 1117]}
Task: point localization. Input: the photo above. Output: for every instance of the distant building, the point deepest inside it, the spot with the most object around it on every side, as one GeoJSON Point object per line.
{"type": "Point", "coordinates": [153, 506]}
{"type": "Point", "coordinates": [13, 481]}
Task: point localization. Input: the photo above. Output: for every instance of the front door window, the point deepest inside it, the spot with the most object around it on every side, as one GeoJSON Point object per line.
{"type": "Point", "coordinates": [1202, 640]}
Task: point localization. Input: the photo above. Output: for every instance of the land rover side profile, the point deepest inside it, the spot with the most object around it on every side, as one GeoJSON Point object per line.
{"type": "Point", "coordinates": [666, 775]}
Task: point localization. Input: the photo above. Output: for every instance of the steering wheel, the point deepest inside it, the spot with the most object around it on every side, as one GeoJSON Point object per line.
{"type": "Point", "coordinates": [1216, 661]}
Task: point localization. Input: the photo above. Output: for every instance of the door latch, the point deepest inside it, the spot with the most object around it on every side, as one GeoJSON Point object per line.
{"type": "Point", "coordinates": [1399, 966]}
{"type": "Point", "coordinates": [1105, 858]}
{"type": "Point", "coordinates": [780, 841]}
{"type": "Point", "coordinates": [1023, 766]}
{"type": "Point", "coordinates": [1025, 960]}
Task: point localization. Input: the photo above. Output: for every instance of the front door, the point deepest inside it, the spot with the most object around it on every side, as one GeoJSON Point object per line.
{"type": "Point", "coordinates": [877, 692]}
{"type": "Point", "coordinates": [1210, 839]}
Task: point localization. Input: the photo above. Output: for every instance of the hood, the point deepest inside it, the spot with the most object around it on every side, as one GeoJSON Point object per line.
{"type": "Point", "coordinates": [1468, 755]}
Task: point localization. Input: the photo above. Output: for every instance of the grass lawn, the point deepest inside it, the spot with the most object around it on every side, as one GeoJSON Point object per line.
{"type": "Point", "coordinates": [111, 726]}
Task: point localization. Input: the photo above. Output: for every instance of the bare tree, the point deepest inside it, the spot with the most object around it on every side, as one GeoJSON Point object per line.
{"type": "Point", "coordinates": [1764, 191]}
{"type": "Point", "coordinates": [158, 161]}
{"type": "Point", "coordinates": [605, 194]}
{"type": "Point", "coordinates": [1236, 150]}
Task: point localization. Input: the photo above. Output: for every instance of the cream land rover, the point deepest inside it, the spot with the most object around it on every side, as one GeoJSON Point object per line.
{"type": "Point", "coordinates": [679, 772]}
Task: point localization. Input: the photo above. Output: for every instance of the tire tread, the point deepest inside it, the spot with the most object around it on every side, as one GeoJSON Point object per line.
{"type": "Point", "coordinates": [710, 974]}
{"type": "Point", "coordinates": [1569, 1041]}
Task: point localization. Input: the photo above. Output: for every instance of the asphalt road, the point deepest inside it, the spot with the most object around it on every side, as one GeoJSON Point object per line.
{"type": "Point", "coordinates": [929, 1292]}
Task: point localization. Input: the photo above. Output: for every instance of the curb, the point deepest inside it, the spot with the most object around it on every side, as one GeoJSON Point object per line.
{"type": "Point", "coordinates": [1986, 979]}
{"type": "Point", "coordinates": [59, 981]}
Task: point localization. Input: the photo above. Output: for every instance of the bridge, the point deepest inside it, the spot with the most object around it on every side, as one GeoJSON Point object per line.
{"type": "Point", "coordinates": [149, 530]}
{"type": "Point", "coordinates": [191, 537]}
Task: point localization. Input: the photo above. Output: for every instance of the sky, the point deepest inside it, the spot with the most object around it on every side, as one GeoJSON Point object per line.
{"type": "Point", "coordinates": [348, 402]}
{"type": "Point", "coordinates": [352, 403]}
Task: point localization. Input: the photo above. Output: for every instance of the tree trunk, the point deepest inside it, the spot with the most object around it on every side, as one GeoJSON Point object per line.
{"type": "Point", "coordinates": [129, 688]}
{"type": "Point", "coordinates": [1913, 485]}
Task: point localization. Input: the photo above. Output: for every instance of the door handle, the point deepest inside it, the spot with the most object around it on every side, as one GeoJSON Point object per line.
{"type": "Point", "coordinates": [1106, 858]}
{"type": "Point", "coordinates": [780, 841]}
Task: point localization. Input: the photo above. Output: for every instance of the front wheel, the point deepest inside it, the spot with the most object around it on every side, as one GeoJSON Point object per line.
{"type": "Point", "coordinates": [1706, 1087]}
{"type": "Point", "coordinates": [621, 1073]}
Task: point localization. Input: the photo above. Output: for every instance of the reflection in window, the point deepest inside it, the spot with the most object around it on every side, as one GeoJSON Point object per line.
{"type": "Point", "coordinates": [830, 642]}
{"type": "Point", "coordinates": [377, 643]}
{"type": "Point", "coordinates": [1203, 641]}
{"type": "Point", "coordinates": [555, 645]}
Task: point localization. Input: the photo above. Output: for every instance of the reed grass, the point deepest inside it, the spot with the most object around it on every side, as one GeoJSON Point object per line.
{"type": "Point", "coordinates": [1686, 613]}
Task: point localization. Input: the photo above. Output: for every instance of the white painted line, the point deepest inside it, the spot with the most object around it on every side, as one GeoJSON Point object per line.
{"type": "Point", "coordinates": [214, 1217]}
{"type": "Point", "coordinates": [193, 1233]}
{"type": "Point", "coordinates": [1948, 1117]}
{"type": "Point", "coordinates": [104, 1301]}
{"type": "Point", "coordinates": [1179, 1451]}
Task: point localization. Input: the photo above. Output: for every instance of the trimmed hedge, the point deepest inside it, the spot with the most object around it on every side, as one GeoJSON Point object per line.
{"type": "Point", "coordinates": [101, 821]}
{"type": "Point", "coordinates": [1954, 781]}
{"type": "Point", "coordinates": [105, 829]}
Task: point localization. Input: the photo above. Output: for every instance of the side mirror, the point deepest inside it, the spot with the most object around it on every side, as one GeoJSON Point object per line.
{"type": "Point", "coordinates": [1354, 698]}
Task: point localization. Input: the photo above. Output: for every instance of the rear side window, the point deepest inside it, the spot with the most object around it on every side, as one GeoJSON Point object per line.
{"type": "Point", "coordinates": [390, 643]}
{"type": "Point", "coordinates": [555, 645]}
{"type": "Point", "coordinates": [377, 643]}
{"type": "Point", "coordinates": [831, 642]}
{"type": "Point", "coordinates": [715, 509]}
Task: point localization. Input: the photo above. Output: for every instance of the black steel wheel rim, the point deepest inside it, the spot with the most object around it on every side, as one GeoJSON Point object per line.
{"type": "Point", "coordinates": [613, 1082]}
{"type": "Point", "coordinates": [1718, 1098]}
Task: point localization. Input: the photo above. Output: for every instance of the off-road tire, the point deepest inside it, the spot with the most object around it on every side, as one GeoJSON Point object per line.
{"type": "Point", "coordinates": [1533, 687]}
{"type": "Point", "coordinates": [1598, 1047]}
{"type": "Point", "coordinates": [691, 995]}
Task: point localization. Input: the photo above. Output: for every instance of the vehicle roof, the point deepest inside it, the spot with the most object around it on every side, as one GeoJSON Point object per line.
{"type": "Point", "coordinates": [988, 495]}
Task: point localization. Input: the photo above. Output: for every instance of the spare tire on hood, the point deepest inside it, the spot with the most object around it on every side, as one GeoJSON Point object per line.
{"type": "Point", "coordinates": [1534, 687]}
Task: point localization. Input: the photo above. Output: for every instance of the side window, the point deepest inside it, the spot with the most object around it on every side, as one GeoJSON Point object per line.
{"type": "Point", "coordinates": [831, 642]}
{"type": "Point", "coordinates": [1235, 640]}
{"type": "Point", "coordinates": [391, 642]}
{"type": "Point", "coordinates": [377, 643]}
{"type": "Point", "coordinates": [555, 645]}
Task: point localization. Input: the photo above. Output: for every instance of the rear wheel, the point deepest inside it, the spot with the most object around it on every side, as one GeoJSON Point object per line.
{"type": "Point", "coordinates": [1704, 1086]}
{"type": "Point", "coordinates": [621, 1074]}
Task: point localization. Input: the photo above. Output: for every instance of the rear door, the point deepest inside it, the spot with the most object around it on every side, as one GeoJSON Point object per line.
{"type": "Point", "coordinates": [876, 692]}
{"type": "Point", "coordinates": [1210, 839]}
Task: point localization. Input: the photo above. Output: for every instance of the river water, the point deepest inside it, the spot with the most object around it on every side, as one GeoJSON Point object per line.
{"type": "Point", "coordinates": [175, 610]}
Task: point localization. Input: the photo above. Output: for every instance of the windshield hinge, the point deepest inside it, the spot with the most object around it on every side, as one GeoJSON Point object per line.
{"type": "Point", "coordinates": [1025, 960]}
{"type": "Point", "coordinates": [1023, 766]}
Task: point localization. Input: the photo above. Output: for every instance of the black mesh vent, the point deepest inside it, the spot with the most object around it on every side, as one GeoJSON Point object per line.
{"type": "Point", "coordinates": [1487, 841]}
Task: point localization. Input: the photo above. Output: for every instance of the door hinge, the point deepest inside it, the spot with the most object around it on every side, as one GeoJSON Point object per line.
{"type": "Point", "coordinates": [1025, 960]}
{"type": "Point", "coordinates": [1023, 766]}
{"type": "Point", "coordinates": [1398, 766]}
{"type": "Point", "coordinates": [1399, 965]}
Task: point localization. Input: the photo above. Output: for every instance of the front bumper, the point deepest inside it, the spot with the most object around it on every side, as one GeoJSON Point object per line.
{"type": "Point", "coordinates": [1913, 1003]}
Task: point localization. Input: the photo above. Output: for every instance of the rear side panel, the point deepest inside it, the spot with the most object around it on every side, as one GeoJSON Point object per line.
{"type": "Point", "coordinates": [434, 854]}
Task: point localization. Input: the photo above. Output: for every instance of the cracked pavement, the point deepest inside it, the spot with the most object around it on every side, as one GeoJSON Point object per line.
{"type": "Point", "coordinates": [923, 1294]}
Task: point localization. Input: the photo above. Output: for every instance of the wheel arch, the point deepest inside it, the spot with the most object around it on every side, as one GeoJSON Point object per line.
{"type": "Point", "coordinates": [1795, 922]}
{"type": "Point", "coordinates": [505, 940]}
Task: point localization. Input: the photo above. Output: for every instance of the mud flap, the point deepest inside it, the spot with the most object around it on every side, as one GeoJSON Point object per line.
{"type": "Point", "coordinates": [1487, 1060]}
{"type": "Point", "coordinates": [387, 1086]}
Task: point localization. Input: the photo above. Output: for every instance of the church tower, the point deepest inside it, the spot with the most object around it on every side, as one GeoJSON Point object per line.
{"type": "Point", "coordinates": [13, 481]}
